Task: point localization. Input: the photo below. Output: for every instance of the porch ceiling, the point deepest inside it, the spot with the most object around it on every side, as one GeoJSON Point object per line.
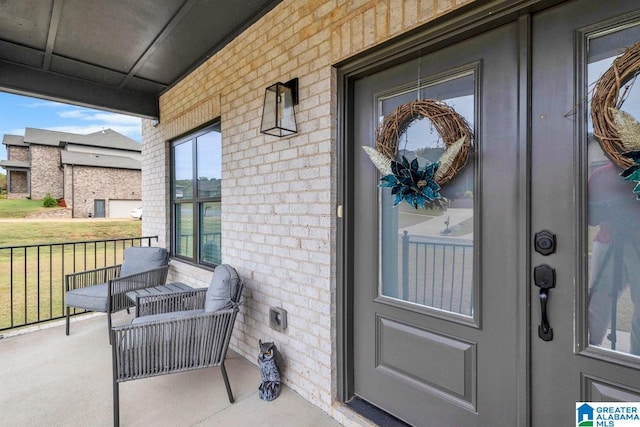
{"type": "Point", "coordinates": [117, 55]}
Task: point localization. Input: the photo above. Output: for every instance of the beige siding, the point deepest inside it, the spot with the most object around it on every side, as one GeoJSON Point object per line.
{"type": "Point", "coordinates": [279, 195]}
{"type": "Point", "coordinates": [136, 155]}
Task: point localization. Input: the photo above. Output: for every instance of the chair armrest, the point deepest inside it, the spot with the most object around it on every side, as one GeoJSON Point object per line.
{"type": "Point", "coordinates": [165, 303]}
{"type": "Point", "coordinates": [82, 279]}
{"type": "Point", "coordinates": [118, 287]}
{"type": "Point", "coordinates": [161, 347]}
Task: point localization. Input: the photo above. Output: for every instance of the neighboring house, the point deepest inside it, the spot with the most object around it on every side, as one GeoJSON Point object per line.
{"type": "Point", "coordinates": [96, 174]}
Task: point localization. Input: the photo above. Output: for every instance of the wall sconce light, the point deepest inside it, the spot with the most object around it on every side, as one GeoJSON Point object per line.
{"type": "Point", "coordinates": [278, 116]}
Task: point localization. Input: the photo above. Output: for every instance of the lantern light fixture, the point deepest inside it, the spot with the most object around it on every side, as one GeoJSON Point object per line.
{"type": "Point", "coordinates": [278, 115]}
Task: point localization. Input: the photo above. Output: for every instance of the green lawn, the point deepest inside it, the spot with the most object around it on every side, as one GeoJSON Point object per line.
{"type": "Point", "coordinates": [31, 232]}
{"type": "Point", "coordinates": [20, 208]}
{"type": "Point", "coordinates": [38, 232]}
{"type": "Point", "coordinates": [34, 277]}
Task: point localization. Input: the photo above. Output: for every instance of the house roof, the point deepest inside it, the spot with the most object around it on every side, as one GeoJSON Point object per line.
{"type": "Point", "coordinates": [112, 139]}
{"type": "Point", "coordinates": [114, 55]}
{"type": "Point", "coordinates": [106, 138]}
{"type": "Point", "coordinates": [47, 137]}
{"type": "Point", "coordinates": [98, 160]}
{"type": "Point", "coordinates": [15, 164]}
{"type": "Point", "coordinates": [13, 140]}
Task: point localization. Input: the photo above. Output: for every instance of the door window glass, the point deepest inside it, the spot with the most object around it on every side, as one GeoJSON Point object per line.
{"type": "Point", "coordinates": [613, 217]}
{"type": "Point", "coordinates": [427, 256]}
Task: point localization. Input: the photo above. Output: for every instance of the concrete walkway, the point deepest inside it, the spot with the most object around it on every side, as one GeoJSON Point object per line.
{"type": "Point", "coordinates": [49, 379]}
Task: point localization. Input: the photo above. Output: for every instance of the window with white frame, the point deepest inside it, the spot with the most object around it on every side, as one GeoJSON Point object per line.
{"type": "Point", "coordinates": [196, 166]}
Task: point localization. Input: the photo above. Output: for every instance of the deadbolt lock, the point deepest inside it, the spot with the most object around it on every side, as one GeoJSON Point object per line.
{"type": "Point", "coordinates": [545, 242]}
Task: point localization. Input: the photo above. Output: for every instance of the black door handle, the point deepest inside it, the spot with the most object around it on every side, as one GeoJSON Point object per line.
{"type": "Point", "coordinates": [545, 331]}
{"type": "Point", "coordinates": [544, 277]}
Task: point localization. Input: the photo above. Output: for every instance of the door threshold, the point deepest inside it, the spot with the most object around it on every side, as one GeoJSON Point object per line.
{"type": "Point", "coordinates": [374, 414]}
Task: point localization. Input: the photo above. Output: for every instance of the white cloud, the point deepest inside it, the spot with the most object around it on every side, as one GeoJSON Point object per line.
{"type": "Point", "coordinates": [72, 114]}
{"type": "Point", "coordinates": [44, 104]}
{"type": "Point", "coordinates": [68, 118]}
{"type": "Point", "coordinates": [83, 121]}
{"type": "Point", "coordinates": [90, 121]}
{"type": "Point", "coordinates": [115, 118]}
{"type": "Point", "coordinates": [16, 131]}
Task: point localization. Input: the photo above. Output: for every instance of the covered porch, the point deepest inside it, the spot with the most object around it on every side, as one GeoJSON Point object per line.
{"type": "Point", "coordinates": [51, 379]}
{"type": "Point", "coordinates": [302, 217]}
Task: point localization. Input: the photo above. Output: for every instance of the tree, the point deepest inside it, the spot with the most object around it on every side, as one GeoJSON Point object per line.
{"type": "Point", "coordinates": [3, 183]}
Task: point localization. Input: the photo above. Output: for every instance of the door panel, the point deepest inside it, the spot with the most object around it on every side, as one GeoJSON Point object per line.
{"type": "Point", "coordinates": [435, 342]}
{"type": "Point", "coordinates": [568, 41]}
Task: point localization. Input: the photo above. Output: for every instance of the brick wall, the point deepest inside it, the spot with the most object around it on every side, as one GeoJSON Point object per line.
{"type": "Point", "coordinates": [279, 195]}
{"type": "Point", "coordinates": [18, 185]}
{"type": "Point", "coordinates": [68, 188]}
{"type": "Point", "coordinates": [17, 153]}
{"type": "Point", "coordinates": [91, 183]}
{"type": "Point", "coordinates": [46, 174]}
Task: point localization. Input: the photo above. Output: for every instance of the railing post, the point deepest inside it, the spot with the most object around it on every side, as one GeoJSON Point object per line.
{"type": "Point", "coordinates": [405, 265]}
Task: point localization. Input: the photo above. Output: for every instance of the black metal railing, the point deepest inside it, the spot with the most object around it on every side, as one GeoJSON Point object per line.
{"type": "Point", "coordinates": [437, 273]}
{"type": "Point", "coordinates": [32, 276]}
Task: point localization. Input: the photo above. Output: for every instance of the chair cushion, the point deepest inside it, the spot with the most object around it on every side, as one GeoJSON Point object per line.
{"type": "Point", "coordinates": [166, 316]}
{"type": "Point", "coordinates": [138, 259]}
{"type": "Point", "coordinates": [222, 289]}
{"type": "Point", "coordinates": [92, 298]}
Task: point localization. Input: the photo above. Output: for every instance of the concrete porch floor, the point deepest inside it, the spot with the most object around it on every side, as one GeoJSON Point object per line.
{"type": "Point", "coordinates": [49, 379]}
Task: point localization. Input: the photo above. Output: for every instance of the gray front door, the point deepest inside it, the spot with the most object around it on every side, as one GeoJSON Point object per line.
{"type": "Point", "coordinates": [577, 193]}
{"type": "Point", "coordinates": [445, 318]}
{"type": "Point", "coordinates": [99, 208]}
{"type": "Point", "coordinates": [438, 311]}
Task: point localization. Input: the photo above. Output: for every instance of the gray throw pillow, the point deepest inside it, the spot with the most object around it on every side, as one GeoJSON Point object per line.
{"type": "Point", "coordinates": [138, 259]}
{"type": "Point", "coordinates": [223, 286]}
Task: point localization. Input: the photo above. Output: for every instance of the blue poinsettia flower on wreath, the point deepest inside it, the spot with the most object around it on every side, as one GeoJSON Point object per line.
{"type": "Point", "coordinates": [632, 173]}
{"type": "Point", "coordinates": [410, 183]}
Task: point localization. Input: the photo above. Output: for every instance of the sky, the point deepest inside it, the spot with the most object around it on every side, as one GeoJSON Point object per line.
{"type": "Point", "coordinates": [19, 112]}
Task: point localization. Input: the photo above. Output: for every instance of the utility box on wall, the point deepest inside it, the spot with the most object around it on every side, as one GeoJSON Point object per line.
{"type": "Point", "coordinates": [278, 318]}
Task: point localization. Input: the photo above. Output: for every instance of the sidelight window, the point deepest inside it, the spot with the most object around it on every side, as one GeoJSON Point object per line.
{"type": "Point", "coordinates": [613, 229]}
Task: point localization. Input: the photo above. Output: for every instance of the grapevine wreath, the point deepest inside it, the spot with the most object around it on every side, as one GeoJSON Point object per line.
{"type": "Point", "coordinates": [420, 187]}
{"type": "Point", "coordinates": [618, 131]}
